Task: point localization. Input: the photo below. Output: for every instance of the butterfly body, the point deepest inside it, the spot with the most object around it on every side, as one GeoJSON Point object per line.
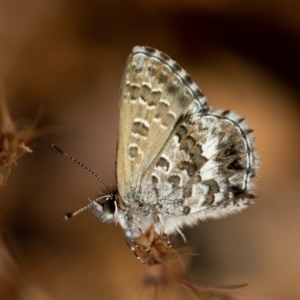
{"type": "Point", "coordinates": [178, 160]}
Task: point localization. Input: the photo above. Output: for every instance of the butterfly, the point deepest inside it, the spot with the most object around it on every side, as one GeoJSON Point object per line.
{"type": "Point", "coordinates": [178, 160]}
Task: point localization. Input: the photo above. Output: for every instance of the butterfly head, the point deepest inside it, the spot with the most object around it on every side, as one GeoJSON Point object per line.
{"type": "Point", "coordinates": [106, 207]}
{"type": "Point", "coordinates": [131, 216]}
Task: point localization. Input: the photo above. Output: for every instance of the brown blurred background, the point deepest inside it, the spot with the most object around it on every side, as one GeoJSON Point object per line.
{"type": "Point", "coordinates": [68, 57]}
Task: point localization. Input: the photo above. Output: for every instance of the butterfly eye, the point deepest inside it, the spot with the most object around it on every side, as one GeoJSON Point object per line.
{"type": "Point", "coordinates": [110, 206]}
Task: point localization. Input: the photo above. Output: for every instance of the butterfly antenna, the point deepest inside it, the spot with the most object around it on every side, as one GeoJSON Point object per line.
{"type": "Point", "coordinates": [76, 212]}
{"type": "Point", "coordinates": [59, 151]}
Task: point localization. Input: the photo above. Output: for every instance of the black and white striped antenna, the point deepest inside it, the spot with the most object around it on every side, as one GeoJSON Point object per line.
{"type": "Point", "coordinates": [61, 152]}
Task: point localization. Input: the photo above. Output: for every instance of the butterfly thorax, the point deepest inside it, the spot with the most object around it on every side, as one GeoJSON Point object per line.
{"type": "Point", "coordinates": [135, 212]}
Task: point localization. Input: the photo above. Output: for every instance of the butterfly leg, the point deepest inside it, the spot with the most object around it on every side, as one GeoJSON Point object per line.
{"type": "Point", "coordinates": [163, 234]}
{"type": "Point", "coordinates": [130, 243]}
{"type": "Point", "coordinates": [162, 223]}
{"type": "Point", "coordinates": [182, 235]}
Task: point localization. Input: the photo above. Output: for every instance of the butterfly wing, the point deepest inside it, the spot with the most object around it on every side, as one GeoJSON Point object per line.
{"type": "Point", "coordinates": [205, 169]}
{"type": "Point", "coordinates": [178, 158]}
{"type": "Point", "coordinates": [155, 95]}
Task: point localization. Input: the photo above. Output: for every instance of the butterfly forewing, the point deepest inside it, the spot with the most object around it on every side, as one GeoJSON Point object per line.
{"type": "Point", "coordinates": [154, 97]}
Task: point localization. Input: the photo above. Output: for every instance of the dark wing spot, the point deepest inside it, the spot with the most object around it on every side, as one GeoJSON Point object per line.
{"type": "Point", "coordinates": [164, 56]}
{"type": "Point", "coordinates": [186, 210]}
{"type": "Point", "coordinates": [235, 165]}
{"type": "Point", "coordinates": [163, 163]}
{"type": "Point", "coordinates": [206, 108]}
{"type": "Point", "coordinates": [177, 67]}
{"type": "Point", "coordinates": [230, 151]}
{"type": "Point", "coordinates": [187, 144]}
{"type": "Point", "coordinates": [172, 88]}
{"type": "Point", "coordinates": [250, 195]}
{"type": "Point", "coordinates": [188, 79]}
{"type": "Point", "coordinates": [150, 96]}
{"type": "Point", "coordinates": [133, 91]}
{"type": "Point", "coordinates": [154, 183]}
{"type": "Point", "coordinates": [137, 69]}
{"type": "Point", "coordinates": [190, 167]}
{"type": "Point", "coordinates": [175, 181]}
{"type": "Point", "coordinates": [188, 188]}
{"type": "Point", "coordinates": [133, 151]}
{"type": "Point", "coordinates": [164, 74]}
{"type": "Point", "coordinates": [185, 97]}
{"type": "Point", "coordinates": [187, 191]}
{"type": "Point", "coordinates": [226, 112]}
{"type": "Point", "coordinates": [154, 180]}
{"type": "Point", "coordinates": [213, 188]}
{"type": "Point", "coordinates": [149, 49]}
{"type": "Point", "coordinates": [181, 133]}
{"type": "Point", "coordinates": [236, 191]}
{"type": "Point", "coordinates": [162, 78]}
{"type": "Point", "coordinates": [162, 110]}
{"type": "Point", "coordinates": [197, 158]}
{"type": "Point", "coordinates": [198, 94]}
{"type": "Point", "coordinates": [152, 70]}
{"type": "Point", "coordinates": [140, 128]}
{"type": "Point", "coordinates": [247, 131]}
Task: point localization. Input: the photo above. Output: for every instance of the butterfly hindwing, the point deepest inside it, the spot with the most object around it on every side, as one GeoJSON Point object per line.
{"type": "Point", "coordinates": [205, 168]}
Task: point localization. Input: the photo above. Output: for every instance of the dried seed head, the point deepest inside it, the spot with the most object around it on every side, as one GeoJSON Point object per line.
{"type": "Point", "coordinates": [152, 248]}
{"type": "Point", "coordinates": [13, 140]}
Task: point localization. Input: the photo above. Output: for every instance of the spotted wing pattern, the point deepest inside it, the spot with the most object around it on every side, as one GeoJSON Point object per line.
{"type": "Point", "coordinates": [177, 158]}
{"type": "Point", "coordinates": [205, 169]}
{"type": "Point", "coordinates": [155, 94]}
